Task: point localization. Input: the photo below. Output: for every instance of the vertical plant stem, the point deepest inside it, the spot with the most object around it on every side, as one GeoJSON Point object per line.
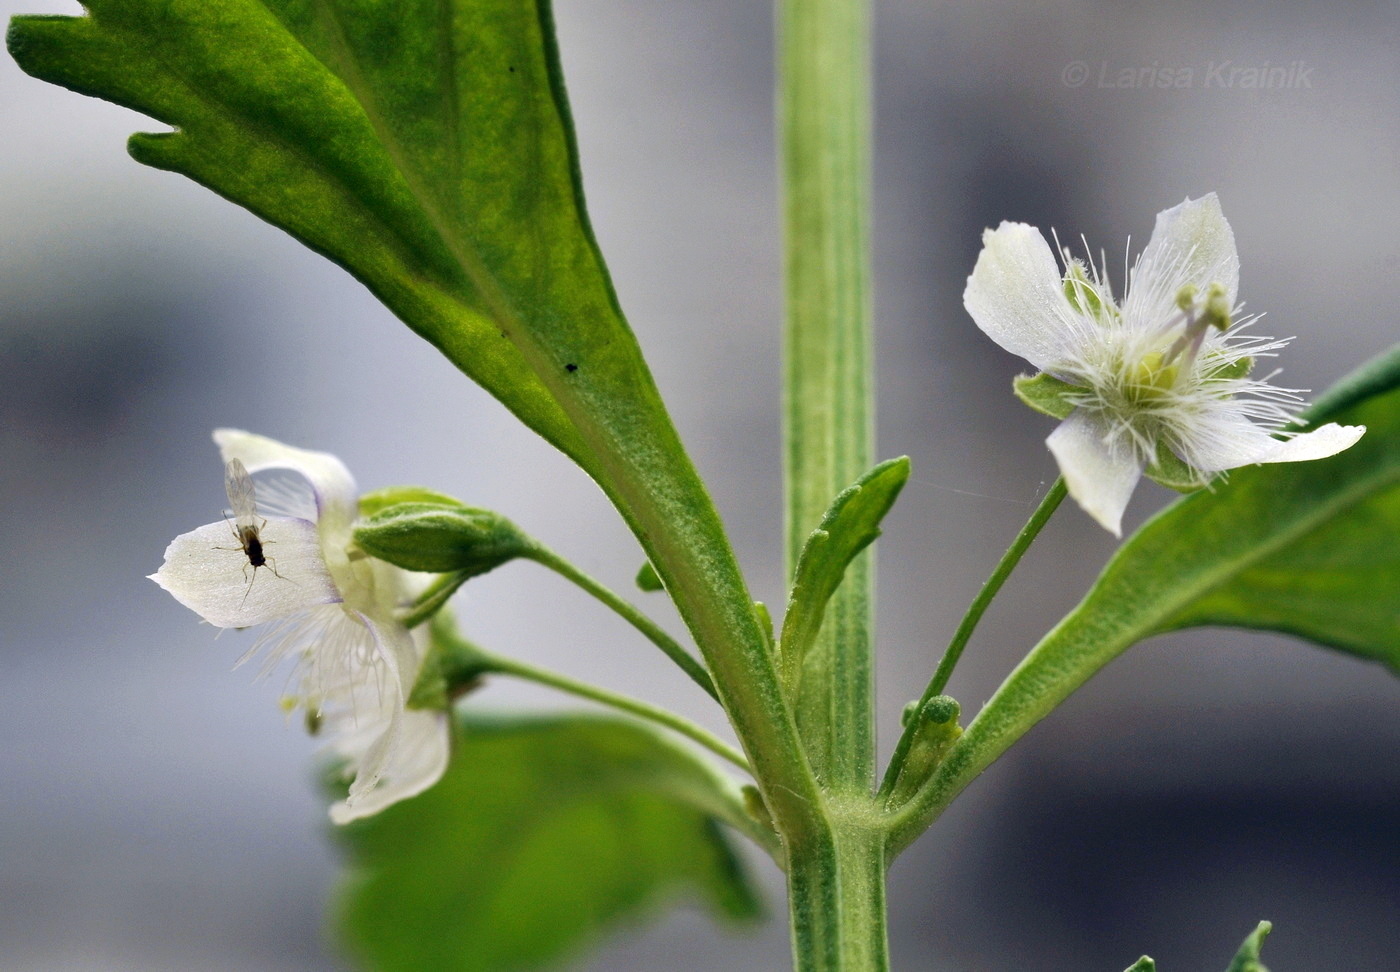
{"type": "Point", "coordinates": [836, 896]}
{"type": "Point", "coordinates": [836, 877]}
{"type": "Point", "coordinates": [824, 111]}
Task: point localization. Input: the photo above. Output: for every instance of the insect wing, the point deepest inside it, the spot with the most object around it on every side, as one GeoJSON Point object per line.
{"type": "Point", "coordinates": [241, 498]}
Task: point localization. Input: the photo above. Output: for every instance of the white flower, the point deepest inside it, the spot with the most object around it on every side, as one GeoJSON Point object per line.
{"type": "Point", "coordinates": [1161, 376]}
{"type": "Point", "coordinates": [327, 607]}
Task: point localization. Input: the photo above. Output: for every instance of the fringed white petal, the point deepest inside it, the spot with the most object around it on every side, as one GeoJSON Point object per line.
{"type": "Point", "coordinates": [1222, 439]}
{"type": "Point", "coordinates": [1015, 295]}
{"type": "Point", "coordinates": [1191, 245]}
{"type": "Point", "coordinates": [1100, 470]}
{"type": "Point", "coordinates": [1321, 442]}
{"type": "Point", "coordinates": [414, 761]}
{"type": "Point", "coordinates": [208, 571]}
{"type": "Point", "coordinates": [395, 753]}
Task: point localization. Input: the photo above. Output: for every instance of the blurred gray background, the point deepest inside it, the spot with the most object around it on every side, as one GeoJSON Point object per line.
{"type": "Point", "coordinates": [157, 814]}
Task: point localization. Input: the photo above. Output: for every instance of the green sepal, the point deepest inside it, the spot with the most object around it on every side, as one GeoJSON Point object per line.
{"type": "Point", "coordinates": [441, 538]}
{"type": "Point", "coordinates": [1230, 372]}
{"type": "Point", "coordinates": [543, 835]}
{"type": "Point", "coordinates": [1144, 964]}
{"type": "Point", "coordinates": [452, 666]}
{"type": "Point", "coordinates": [1247, 958]}
{"type": "Point", "coordinates": [648, 580]}
{"type": "Point", "coordinates": [379, 499]}
{"type": "Point", "coordinates": [1081, 292]}
{"type": "Point", "coordinates": [849, 526]}
{"type": "Point", "coordinates": [1170, 471]}
{"type": "Point", "coordinates": [1046, 394]}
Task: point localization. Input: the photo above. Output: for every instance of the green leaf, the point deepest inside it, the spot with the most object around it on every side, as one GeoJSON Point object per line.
{"type": "Point", "coordinates": [1316, 548]}
{"type": "Point", "coordinates": [1247, 958]}
{"type": "Point", "coordinates": [441, 538]}
{"type": "Point", "coordinates": [647, 579]}
{"type": "Point", "coordinates": [543, 834]}
{"type": "Point", "coordinates": [850, 525]}
{"type": "Point", "coordinates": [1046, 394]}
{"type": "Point", "coordinates": [426, 146]}
{"type": "Point", "coordinates": [1308, 548]}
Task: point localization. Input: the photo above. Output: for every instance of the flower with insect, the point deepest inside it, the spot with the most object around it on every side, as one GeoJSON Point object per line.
{"type": "Point", "coordinates": [1157, 383]}
{"type": "Point", "coordinates": [326, 606]}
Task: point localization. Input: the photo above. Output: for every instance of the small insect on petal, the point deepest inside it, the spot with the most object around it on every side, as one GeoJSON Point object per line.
{"type": "Point", "coordinates": [247, 525]}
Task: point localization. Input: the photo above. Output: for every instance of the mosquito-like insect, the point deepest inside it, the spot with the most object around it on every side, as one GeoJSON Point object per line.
{"type": "Point", "coordinates": [247, 525]}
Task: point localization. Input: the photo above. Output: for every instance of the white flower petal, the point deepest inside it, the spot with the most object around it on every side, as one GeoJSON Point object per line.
{"type": "Point", "coordinates": [337, 500]}
{"type": "Point", "coordinates": [1321, 442]}
{"type": "Point", "coordinates": [1100, 472]}
{"type": "Point", "coordinates": [396, 753]}
{"type": "Point", "coordinates": [417, 761]}
{"type": "Point", "coordinates": [207, 571]}
{"type": "Point", "coordinates": [1223, 440]}
{"type": "Point", "coordinates": [1191, 245]}
{"type": "Point", "coordinates": [1220, 438]}
{"type": "Point", "coordinates": [1015, 295]}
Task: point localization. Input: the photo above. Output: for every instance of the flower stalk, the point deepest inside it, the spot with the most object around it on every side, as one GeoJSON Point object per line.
{"type": "Point", "coordinates": [1043, 511]}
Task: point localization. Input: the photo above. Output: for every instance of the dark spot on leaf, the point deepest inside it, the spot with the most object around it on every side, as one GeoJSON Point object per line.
{"type": "Point", "coordinates": [512, 69]}
{"type": "Point", "coordinates": [571, 367]}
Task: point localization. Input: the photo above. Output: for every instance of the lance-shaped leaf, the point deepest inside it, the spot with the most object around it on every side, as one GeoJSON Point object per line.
{"type": "Point", "coordinates": [1309, 548]}
{"type": "Point", "coordinates": [543, 834]}
{"type": "Point", "coordinates": [1247, 958]}
{"type": "Point", "coordinates": [849, 526]}
{"type": "Point", "coordinates": [1338, 582]}
{"type": "Point", "coordinates": [426, 146]}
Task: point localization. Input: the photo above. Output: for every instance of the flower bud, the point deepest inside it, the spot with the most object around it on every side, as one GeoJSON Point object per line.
{"type": "Point", "coordinates": [935, 727]}
{"type": "Point", "coordinates": [441, 538]}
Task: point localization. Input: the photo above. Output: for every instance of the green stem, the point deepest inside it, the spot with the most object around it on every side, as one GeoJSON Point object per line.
{"type": "Point", "coordinates": [542, 676]}
{"type": "Point", "coordinates": [437, 594]}
{"type": "Point", "coordinates": [836, 901]}
{"type": "Point", "coordinates": [673, 650]}
{"type": "Point", "coordinates": [984, 597]}
{"type": "Point", "coordinates": [836, 871]}
{"type": "Point", "coordinates": [824, 113]}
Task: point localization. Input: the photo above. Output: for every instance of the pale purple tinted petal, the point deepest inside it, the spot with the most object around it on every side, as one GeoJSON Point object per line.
{"type": "Point", "coordinates": [1100, 472]}
{"type": "Point", "coordinates": [208, 571]}
{"type": "Point", "coordinates": [1015, 296]}
{"type": "Point", "coordinates": [337, 500]}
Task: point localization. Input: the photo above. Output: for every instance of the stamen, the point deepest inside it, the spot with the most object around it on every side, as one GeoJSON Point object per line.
{"type": "Point", "coordinates": [1216, 313]}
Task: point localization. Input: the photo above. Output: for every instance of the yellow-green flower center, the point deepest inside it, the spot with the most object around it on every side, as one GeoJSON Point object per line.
{"type": "Point", "coordinates": [1150, 378]}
